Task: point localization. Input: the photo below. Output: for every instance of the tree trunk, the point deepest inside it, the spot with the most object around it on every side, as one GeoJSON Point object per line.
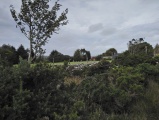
{"type": "Point", "coordinates": [30, 40]}
{"type": "Point", "coordinates": [30, 51]}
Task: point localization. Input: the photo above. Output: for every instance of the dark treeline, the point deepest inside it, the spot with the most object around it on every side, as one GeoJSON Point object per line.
{"type": "Point", "coordinates": [9, 54]}
{"type": "Point", "coordinates": [125, 89]}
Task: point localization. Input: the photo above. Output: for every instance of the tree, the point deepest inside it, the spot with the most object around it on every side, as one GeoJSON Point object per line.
{"type": "Point", "coordinates": [82, 54]}
{"type": "Point", "coordinates": [8, 54]}
{"type": "Point", "coordinates": [111, 52]}
{"type": "Point", "coordinates": [22, 52]}
{"type": "Point", "coordinates": [156, 50]}
{"type": "Point", "coordinates": [77, 55]}
{"type": "Point", "coordinates": [85, 55]}
{"type": "Point", "coordinates": [133, 45]}
{"type": "Point", "coordinates": [56, 56]}
{"type": "Point", "coordinates": [138, 46]}
{"type": "Point", "coordinates": [88, 55]}
{"type": "Point", "coordinates": [144, 49]}
{"type": "Point", "coordinates": [137, 53]}
{"type": "Point", "coordinates": [37, 22]}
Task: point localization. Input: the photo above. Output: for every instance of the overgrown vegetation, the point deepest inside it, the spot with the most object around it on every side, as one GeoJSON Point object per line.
{"type": "Point", "coordinates": [101, 91]}
{"type": "Point", "coordinates": [125, 89]}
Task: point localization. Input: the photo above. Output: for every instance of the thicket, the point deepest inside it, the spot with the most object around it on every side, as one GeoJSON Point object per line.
{"type": "Point", "coordinates": [99, 92]}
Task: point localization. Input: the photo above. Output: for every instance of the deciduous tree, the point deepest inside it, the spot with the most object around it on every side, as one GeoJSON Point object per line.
{"type": "Point", "coordinates": [77, 55]}
{"type": "Point", "coordinates": [111, 52]}
{"type": "Point", "coordinates": [38, 22]}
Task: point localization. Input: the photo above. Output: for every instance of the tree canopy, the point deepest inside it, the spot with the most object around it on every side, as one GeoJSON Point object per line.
{"type": "Point", "coordinates": [111, 52]}
{"type": "Point", "coordinates": [156, 49]}
{"type": "Point", "coordinates": [56, 56]}
{"type": "Point", "coordinates": [82, 54]}
{"type": "Point", "coordinates": [8, 54]}
{"type": "Point", "coordinates": [22, 52]}
{"type": "Point", "coordinates": [137, 53]}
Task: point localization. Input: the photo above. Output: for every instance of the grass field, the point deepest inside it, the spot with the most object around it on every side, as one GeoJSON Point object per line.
{"type": "Point", "coordinates": [75, 63]}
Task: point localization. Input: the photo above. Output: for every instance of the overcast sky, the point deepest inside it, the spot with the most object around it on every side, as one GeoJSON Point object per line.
{"type": "Point", "coordinates": [95, 25]}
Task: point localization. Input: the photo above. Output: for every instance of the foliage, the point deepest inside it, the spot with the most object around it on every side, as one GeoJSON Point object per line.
{"type": "Point", "coordinates": [141, 48]}
{"type": "Point", "coordinates": [149, 71]}
{"type": "Point", "coordinates": [96, 91]}
{"type": "Point", "coordinates": [138, 57]}
{"type": "Point", "coordinates": [38, 22]}
{"type": "Point", "coordinates": [77, 55]}
{"type": "Point", "coordinates": [154, 60]}
{"type": "Point", "coordinates": [56, 56]}
{"type": "Point", "coordinates": [82, 55]}
{"type": "Point", "coordinates": [65, 64]}
{"type": "Point", "coordinates": [86, 55]}
{"type": "Point", "coordinates": [8, 87]}
{"type": "Point", "coordinates": [148, 106]}
{"type": "Point", "coordinates": [129, 82]}
{"type": "Point", "coordinates": [156, 50]}
{"type": "Point", "coordinates": [28, 92]}
{"type": "Point", "coordinates": [126, 59]}
{"type": "Point", "coordinates": [22, 52]}
{"type": "Point", "coordinates": [101, 67]}
{"type": "Point", "coordinates": [8, 54]}
{"type": "Point", "coordinates": [111, 52]}
{"type": "Point", "coordinates": [98, 57]}
{"type": "Point", "coordinates": [138, 52]}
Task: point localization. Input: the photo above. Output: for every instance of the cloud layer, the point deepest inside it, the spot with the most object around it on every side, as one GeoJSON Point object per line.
{"type": "Point", "coordinates": [95, 25]}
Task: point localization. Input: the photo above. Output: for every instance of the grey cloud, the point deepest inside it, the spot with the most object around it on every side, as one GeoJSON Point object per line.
{"type": "Point", "coordinates": [108, 31]}
{"type": "Point", "coordinates": [112, 24]}
{"type": "Point", "coordinates": [95, 27]}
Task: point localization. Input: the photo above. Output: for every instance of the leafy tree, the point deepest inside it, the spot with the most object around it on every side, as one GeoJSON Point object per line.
{"type": "Point", "coordinates": [77, 55]}
{"type": "Point", "coordinates": [56, 56]}
{"type": "Point", "coordinates": [22, 52]}
{"type": "Point", "coordinates": [8, 54]}
{"type": "Point", "coordinates": [82, 54]}
{"type": "Point", "coordinates": [127, 59]}
{"type": "Point", "coordinates": [110, 52]}
{"type": "Point", "coordinates": [132, 44]}
{"type": "Point", "coordinates": [144, 48]}
{"type": "Point", "coordinates": [88, 55]}
{"type": "Point", "coordinates": [156, 49]}
{"type": "Point", "coordinates": [138, 46]}
{"type": "Point", "coordinates": [137, 53]}
{"type": "Point", "coordinates": [37, 22]}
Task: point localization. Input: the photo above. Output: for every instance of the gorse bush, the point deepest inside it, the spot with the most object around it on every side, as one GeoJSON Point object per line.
{"type": "Point", "coordinates": [98, 92]}
{"type": "Point", "coordinates": [31, 92]}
